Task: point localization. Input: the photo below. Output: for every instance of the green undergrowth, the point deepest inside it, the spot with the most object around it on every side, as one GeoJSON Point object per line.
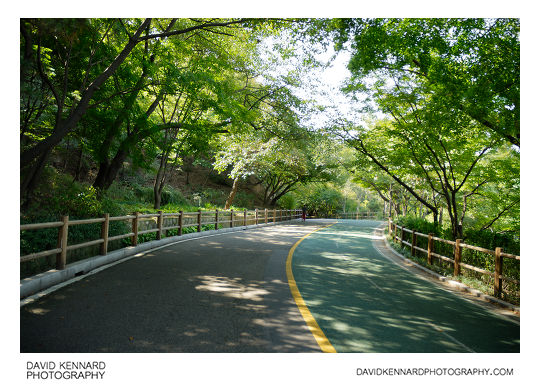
{"type": "Point", "coordinates": [475, 280]}
{"type": "Point", "coordinates": [60, 195]}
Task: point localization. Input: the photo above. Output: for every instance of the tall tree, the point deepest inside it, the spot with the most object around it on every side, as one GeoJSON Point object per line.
{"type": "Point", "coordinates": [75, 58]}
{"type": "Point", "coordinates": [471, 64]}
{"type": "Point", "coordinates": [429, 146]}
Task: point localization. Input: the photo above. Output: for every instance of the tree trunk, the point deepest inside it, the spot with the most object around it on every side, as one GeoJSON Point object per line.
{"type": "Point", "coordinates": [159, 182]}
{"type": "Point", "coordinates": [157, 196]}
{"type": "Point", "coordinates": [79, 164]}
{"type": "Point", "coordinates": [232, 194]}
{"type": "Point", "coordinates": [109, 170]}
{"type": "Point", "coordinates": [78, 112]}
{"type": "Point", "coordinates": [29, 182]}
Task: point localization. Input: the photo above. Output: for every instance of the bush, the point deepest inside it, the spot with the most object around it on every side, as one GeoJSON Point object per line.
{"type": "Point", "coordinates": [144, 193]}
{"type": "Point", "coordinates": [420, 224]}
{"type": "Point", "coordinates": [287, 202]}
{"type": "Point", "coordinates": [491, 240]}
{"type": "Point", "coordinates": [171, 196]}
{"type": "Point", "coordinates": [243, 200]}
{"type": "Point", "coordinates": [322, 202]}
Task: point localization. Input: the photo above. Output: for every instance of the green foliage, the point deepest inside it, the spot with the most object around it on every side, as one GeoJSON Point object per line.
{"type": "Point", "coordinates": [481, 238]}
{"type": "Point", "coordinates": [470, 65]}
{"type": "Point", "coordinates": [472, 279]}
{"type": "Point", "coordinates": [420, 224]}
{"type": "Point", "coordinates": [288, 201]}
{"type": "Point", "coordinates": [172, 196]}
{"type": "Point", "coordinates": [491, 240]}
{"type": "Point", "coordinates": [321, 201]}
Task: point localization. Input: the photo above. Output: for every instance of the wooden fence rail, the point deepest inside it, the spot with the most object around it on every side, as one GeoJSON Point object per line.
{"type": "Point", "coordinates": [458, 247]}
{"type": "Point", "coordinates": [183, 220]}
{"type": "Point", "coordinates": [358, 215]}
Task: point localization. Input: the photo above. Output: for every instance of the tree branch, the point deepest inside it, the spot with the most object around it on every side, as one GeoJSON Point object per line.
{"type": "Point", "coordinates": [508, 207]}
{"type": "Point", "coordinates": [186, 30]}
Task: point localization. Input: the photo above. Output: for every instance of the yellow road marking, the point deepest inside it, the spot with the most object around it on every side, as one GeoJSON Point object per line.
{"type": "Point", "coordinates": [312, 324]}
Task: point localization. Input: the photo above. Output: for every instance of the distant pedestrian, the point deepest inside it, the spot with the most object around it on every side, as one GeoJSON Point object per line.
{"type": "Point", "coordinates": [304, 212]}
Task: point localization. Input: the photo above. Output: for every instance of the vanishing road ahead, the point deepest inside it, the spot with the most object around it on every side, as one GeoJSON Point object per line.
{"type": "Point", "coordinates": [231, 293]}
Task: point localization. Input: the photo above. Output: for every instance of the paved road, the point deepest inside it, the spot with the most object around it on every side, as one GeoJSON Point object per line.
{"type": "Point", "coordinates": [364, 302]}
{"type": "Point", "coordinates": [225, 293]}
{"type": "Point", "coordinates": [230, 293]}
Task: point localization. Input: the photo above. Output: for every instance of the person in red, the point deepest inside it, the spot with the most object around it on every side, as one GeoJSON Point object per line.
{"type": "Point", "coordinates": [304, 211]}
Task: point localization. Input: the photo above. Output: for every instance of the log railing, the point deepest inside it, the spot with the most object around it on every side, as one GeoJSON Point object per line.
{"type": "Point", "coordinates": [180, 221]}
{"type": "Point", "coordinates": [398, 232]}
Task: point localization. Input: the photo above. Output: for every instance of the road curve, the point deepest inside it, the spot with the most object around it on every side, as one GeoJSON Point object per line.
{"type": "Point", "coordinates": [224, 293]}
{"type": "Point", "coordinates": [231, 293]}
{"type": "Point", "coordinates": [364, 302]}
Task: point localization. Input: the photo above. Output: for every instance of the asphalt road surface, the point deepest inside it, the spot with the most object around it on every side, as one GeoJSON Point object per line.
{"type": "Point", "coordinates": [230, 293]}
{"type": "Point", "coordinates": [364, 302]}
{"type": "Point", "coordinates": [224, 293]}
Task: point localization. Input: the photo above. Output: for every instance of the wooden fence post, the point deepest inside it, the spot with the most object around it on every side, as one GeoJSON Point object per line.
{"type": "Point", "coordinates": [135, 229]}
{"type": "Point", "coordinates": [217, 219]}
{"type": "Point", "coordinates": [159, 224]}
{"type": "Point", "coordinates": [245, 217]}
{"type": "Point", "coordinates": [413, 243]}
{"type": "Point", "coordinates": [274, 218]}
{"type": "Point", "coordinates": [256, 216]}
{"type": "Point", "coordinates": [62, 243]}
{"type": "Point", "coordinates": [265, 215]}
{"type": "Point", "coordinates": [402, 234]}
{"type": "Point", "coordinates": [498, 272]}
{"type": "Point", "coordinates": [232, 218]}
{"type": "Point", "coordinates": [199, 220]}
{"type": "Point", "coordinates": [457, 258]}
{"type": "Point", "coordinates": [389, 226]}
{"type": "Point", "coordinates": [105, 234]}
{"type": "Point", "coordinates": [180, 222]}
{"type": "Point", "coordinates": [429, 248]}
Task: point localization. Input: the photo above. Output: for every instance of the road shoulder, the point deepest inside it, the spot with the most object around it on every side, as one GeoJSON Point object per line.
{"type": "Point", "coordinates": [493, 305]}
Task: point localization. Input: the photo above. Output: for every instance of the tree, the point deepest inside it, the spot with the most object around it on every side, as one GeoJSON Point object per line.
{"type": "Point", "coordinates": [473, 65]}
{"type": "Point", "coordinates": [426, 147]}
{"type": "Point", "coordinates": [74, 59]}
{"type": "Point", "coordinates": [279, 165]}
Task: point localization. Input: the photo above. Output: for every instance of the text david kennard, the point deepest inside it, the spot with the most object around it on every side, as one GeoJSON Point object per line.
{"type": "Point", "coordinates": [65, 370]}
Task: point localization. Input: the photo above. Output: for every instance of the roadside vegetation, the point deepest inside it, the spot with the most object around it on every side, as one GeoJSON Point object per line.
{"type": "Point", "coordinates": [125, 115]}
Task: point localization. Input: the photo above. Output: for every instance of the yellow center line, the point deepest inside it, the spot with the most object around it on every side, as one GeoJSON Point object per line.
{"type": "Point", "coordinates": [312, 324]}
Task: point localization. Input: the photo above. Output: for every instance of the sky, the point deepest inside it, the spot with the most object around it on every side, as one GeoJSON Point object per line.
{"type": "Point", "coordinates": [321, 85]}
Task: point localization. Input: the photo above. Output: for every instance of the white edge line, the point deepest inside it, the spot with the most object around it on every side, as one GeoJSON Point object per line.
{"type": "Point", "coordinates": [452, 338]}
{"type": "Point", "coordinates": [438, 286]}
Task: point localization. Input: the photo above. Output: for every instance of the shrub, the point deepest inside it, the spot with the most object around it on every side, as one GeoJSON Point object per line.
{"type": "Point", "coordinates": [172, 196]}
{"type": "Point", "coordinates": [287, 201]}
{"type": "Point", "coordinates": [420, 225]}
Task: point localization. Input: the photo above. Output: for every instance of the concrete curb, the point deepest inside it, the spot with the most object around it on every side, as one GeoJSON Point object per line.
{"type": "Point", "coordinates": [455, 284]}
{"type": "Point", "coordinates": [32, 285]}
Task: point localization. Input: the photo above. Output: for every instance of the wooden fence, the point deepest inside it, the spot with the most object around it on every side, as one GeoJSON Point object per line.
{"type": "Point", "coordinates": [358, 215]}
{"type": "Point", "coordinates": [179, 221]}
{"type": "Point", "coordinates": [458, 246]}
